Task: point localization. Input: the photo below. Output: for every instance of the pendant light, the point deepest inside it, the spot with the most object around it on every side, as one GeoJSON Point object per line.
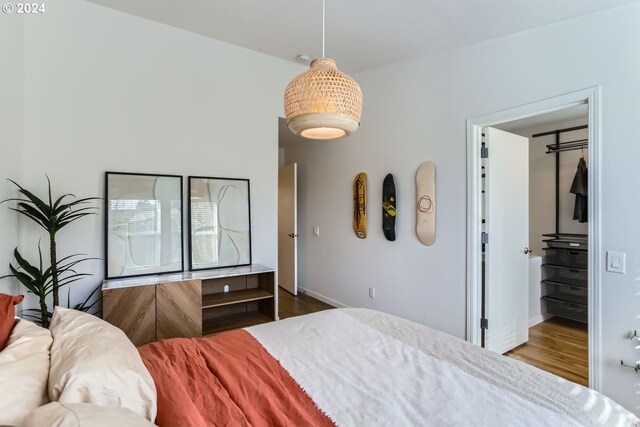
{"type": "Point", "coordinates": [323, 102]}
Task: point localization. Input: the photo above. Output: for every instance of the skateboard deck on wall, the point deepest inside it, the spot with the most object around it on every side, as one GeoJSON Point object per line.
{"type": "Point", "coordinates": [426, 203]}
{"type": "Point", "coordinates": [360, 205]}
{"type": "Point", "coordinates": [389, 208]}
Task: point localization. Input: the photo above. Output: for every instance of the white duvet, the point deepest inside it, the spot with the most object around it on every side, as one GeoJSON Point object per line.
{"type": "Point", "coordinates": [365, 368]}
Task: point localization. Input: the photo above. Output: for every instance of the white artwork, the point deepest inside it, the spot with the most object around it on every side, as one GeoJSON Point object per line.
{"type": "Point", "coordinates": [143, 224]}
{"type": "Point", "coordinates": [219, 223]}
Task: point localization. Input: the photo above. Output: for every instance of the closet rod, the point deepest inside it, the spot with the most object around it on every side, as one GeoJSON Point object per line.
{"type": "Point", "coordinates": [579, 144]}
{"type": "Point", "coordinates": [575, 141]}
{"type": "Point", "coordinates": [551, 151]}
{"type": "Point", "coordinates": [553, 132]}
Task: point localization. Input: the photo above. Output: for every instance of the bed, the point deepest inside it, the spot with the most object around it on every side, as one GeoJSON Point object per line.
{"type": "Point", "coordinates": [357, 367]}
{"type": "Point", "coordinates": [346, 367]}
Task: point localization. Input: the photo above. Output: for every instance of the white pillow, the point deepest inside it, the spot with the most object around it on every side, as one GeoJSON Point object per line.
{"type": "Point", "coordinates": [94, 362]}
{"type": "Point", "coordinates": [24, 368]}
{"type": "Point", "coordinates": [56, 414]}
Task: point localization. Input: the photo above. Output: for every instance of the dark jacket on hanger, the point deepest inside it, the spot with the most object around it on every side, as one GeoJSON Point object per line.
{"type": "Point", "coordinates": [579, 188]}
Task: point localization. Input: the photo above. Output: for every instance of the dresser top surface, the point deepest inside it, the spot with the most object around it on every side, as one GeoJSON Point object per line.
{"type": "Point", "coordinates": [186, 275]}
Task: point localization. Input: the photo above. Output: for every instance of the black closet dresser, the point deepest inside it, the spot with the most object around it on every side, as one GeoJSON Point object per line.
{"type": "Point", "coordinates": [565, 275]}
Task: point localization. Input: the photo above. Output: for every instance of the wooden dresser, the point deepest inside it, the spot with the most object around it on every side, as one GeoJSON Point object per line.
{"type": "Point", "coordinates": [190, 304]}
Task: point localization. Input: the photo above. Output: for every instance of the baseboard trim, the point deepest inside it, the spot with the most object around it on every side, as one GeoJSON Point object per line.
{"type": "Point", "coordinates": [536, 320]}
{"type": "Point", "coordinates": [322, 298]}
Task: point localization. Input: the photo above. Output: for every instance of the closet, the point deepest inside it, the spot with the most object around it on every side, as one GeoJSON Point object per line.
{"type": "Point", "coordinates": [565, 263]}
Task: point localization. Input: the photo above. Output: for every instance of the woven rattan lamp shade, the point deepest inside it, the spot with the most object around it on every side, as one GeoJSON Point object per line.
{"type": "Point", "coordinates": [323, 103]}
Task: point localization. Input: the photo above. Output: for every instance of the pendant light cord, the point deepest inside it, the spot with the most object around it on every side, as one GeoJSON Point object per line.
{"type": "Point", "coordinates": [323, 13]}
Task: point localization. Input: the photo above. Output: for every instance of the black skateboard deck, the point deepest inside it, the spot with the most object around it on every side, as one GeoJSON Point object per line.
{"type": "Point", "coordinates": [389, 208]}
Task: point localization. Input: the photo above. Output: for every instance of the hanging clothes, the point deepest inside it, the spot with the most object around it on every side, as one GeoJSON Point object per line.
{"type": "Point", "coordinates": [579, 188]}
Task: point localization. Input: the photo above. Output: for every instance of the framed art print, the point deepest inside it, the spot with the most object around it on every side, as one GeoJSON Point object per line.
{"type": "Point", "coordinates": [219, 222]}
{"type": "Point", "coordinates": [143, 224]}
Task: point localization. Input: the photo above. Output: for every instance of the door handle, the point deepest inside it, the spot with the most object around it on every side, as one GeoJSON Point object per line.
{"type": "Point", "coordinates": [527, 250]}
{"type": "Point", "coordinates": [292, 235]}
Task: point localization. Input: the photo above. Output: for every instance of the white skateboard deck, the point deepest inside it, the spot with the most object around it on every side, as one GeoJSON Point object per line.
{"type": "Point", "coordinates": [426, 203]}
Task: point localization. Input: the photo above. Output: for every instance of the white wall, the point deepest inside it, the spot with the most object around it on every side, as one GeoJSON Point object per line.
{"type": "Point", "coordinates": [11, 136]}
{"type": "Point", "coordinates": [416, 111]}
{"type": "Point", "coordinates": [107, 91]}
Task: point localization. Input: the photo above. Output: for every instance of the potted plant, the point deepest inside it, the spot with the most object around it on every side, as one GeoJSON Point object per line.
{"type": "Point", "coordinates": [52, 215]}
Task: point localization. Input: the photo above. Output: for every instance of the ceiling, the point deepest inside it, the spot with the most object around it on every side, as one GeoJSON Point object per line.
{"type": "Point", "coordinates": [360, 33]}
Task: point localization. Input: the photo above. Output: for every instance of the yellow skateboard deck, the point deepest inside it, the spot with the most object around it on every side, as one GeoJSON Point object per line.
{"type": "Point", "coordinates": [426, 203]}
{"type": "Point", "coordinates": [360, 205]}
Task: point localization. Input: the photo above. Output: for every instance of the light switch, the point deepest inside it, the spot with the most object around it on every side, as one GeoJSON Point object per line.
{"type": "Point", "coordinates": [316, 230]}
{"type": "Point", "coordinates": [616, 262]}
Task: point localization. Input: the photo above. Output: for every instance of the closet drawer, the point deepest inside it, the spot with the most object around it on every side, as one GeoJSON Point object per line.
{"type": "Point", "coordinates": [575, 276]}
{"type": "Point", "coordinates": [567, 243]}
{"type": "Point", "coordinates": [566, 309]}
{"type": "Point", "coordinates": [575, 294]}
{"type": "Point", "coordinates": [567, 257]}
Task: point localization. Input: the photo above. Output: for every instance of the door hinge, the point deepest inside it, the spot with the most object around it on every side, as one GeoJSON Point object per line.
{"type": "Point", "coordinates": [484, 152]}
{"type": "Point", "coordinates": [484, 323]}
{"type": "Point", "coordinates": [484, 238]}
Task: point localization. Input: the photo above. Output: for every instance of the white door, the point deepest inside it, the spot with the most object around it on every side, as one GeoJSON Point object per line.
{"type": "Point", "coordinates": [507, 226]}
{"type": "Point", "coordinates": [288, 228]}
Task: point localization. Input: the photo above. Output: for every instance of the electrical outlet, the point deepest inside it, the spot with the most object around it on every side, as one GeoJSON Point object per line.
{"type": "Point", "coordinates": [226, 288]}
{"type": "Point", "coordinates": [372, 292]}
{"type": "Point", "coordinates": [316, 230]}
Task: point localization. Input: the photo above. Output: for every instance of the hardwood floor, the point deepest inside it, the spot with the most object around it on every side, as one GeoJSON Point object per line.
{"type": "Point", "coordinates": [290, 306]}
{"type": "Point", "coordinates": [558, 346]}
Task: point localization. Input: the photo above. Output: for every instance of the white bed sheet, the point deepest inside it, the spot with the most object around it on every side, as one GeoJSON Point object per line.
{"type": "Point", "coordinates": [366, 368]}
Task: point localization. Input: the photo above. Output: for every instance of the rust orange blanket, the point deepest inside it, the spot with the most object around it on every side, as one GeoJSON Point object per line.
{"type": "Point", "coordinates": [225, 380]}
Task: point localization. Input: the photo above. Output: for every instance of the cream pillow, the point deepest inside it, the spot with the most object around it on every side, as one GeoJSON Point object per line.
{"type": "Point", "coordinates": [94, 362]}
{"type": "Point", "coordinates": [24, 368]}
{"type": "Point", "coordinates": [56, 414]}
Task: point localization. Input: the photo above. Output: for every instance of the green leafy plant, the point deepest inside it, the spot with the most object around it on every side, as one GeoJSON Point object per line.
{"type": "Point", "coordinates": [635, 367]}
{"type": "Point", "coordinates": [52, 216]}
{"type": "Point", "coordinates": [36, 280]}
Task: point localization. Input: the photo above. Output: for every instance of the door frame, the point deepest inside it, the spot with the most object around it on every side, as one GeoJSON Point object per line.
{"type": "Point", "coordinates": [474, 213]}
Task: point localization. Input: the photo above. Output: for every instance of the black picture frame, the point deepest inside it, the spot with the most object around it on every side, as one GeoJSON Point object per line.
{"type": "Point", "coordinates": [132, 209]}
{"type": "Point", "coordinates": [221, 240]}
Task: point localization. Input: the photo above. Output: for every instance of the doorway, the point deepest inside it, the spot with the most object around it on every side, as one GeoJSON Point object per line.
{"type": "Point", "coordinates": [292, 297]}
{"type": "Point", "coordinates": [554, 305]}
{"type": "Point", "coordinates": [486, 274]}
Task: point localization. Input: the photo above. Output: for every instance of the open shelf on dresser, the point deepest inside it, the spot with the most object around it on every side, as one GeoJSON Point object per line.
{"type": "Point", "coordinates": [233, 321]}
{"type": "Point", "coordinates": [226, 298]}
{"type": "Point", "coordinates": [237, 299]}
